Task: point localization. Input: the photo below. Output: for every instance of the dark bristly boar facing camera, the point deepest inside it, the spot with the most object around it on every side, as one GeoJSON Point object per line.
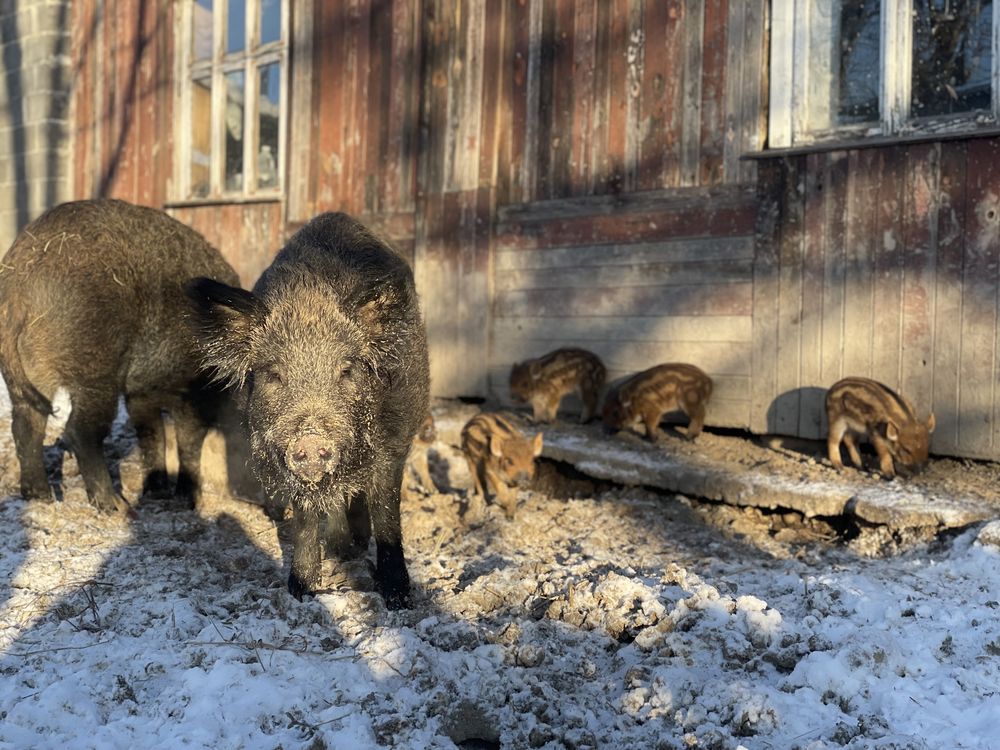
{"type": "Point", "coordinates": [330, 354]}
{"type": "Point", "coordinates": [92, 300]}
{"type": "Point", "coordinates": [650, 394]}
{"type": "Point", "coordinates": [860, 407]}
{"type": "Point", "coordinates": [544, 382]}
{"type": "Point", "coordinates": [500, 458]}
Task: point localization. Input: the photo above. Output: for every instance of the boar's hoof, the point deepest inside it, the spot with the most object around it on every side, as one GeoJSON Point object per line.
{"type": "Point", "coordinates": [395, 592]}
{"type": "Point", "coordinates": [156, 486]}
{"type": "Point", "coordinates": [298, 587]}
{"type": "Point", "coordinates": [37, 491]}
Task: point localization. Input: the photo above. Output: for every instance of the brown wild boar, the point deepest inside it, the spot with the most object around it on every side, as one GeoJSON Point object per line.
{"type": "Point", "coordinates": [500, 457]}
{"type": "Point", "coordinates": [92, 299]}
{"type": "Point", "coordinates": [650, 394]}
{"type": "Point", "coordinates": [860, 407]}
{"type": "Point", "coordinates": [544, 381]}
{"type": "Point", "coordinates": [331, 355]}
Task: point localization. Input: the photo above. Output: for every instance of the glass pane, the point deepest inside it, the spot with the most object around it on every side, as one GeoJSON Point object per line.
{"type": "Point", "coordinates": [269, 113]}
{"type": "Point", "coordinates": [952, 56]}
{"type": "Point", "coordinates": [201, 136]}
{"type": "Point", "coordinates": [842, 84]}
{"type": "Point", "coordinates": [236, 26]}
{"type": "Point", "coordinates": [270, 21]}
{"type": "Point", "coordinates": [201, 30]}
{"type": "Point", "coordinates": [234, 131]}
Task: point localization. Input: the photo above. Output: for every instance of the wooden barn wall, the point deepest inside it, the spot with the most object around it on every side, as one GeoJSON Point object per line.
{"type": "Point", "coordinates": [123, 104]}
{"type": "Point", "coordinates": [882, 263]}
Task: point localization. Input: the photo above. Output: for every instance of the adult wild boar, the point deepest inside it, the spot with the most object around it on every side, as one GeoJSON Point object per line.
{"type": "Point", "coordinates": [330, 352]}
{"type": "Point", "coordinates": [92, 300]}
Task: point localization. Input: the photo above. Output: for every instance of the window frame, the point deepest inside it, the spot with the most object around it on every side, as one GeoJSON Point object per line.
{"type": "Point", "coordinates": [789, 55]}
{"type": "Point", "coordinates": [249, 60]}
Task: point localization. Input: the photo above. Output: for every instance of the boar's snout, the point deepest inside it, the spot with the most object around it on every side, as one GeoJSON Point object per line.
{"type": "Point", "coordinates": [311, 457]}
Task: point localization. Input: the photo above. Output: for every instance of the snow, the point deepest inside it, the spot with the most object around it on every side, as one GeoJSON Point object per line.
{"type": "Point", "coordinates": [621, 619]}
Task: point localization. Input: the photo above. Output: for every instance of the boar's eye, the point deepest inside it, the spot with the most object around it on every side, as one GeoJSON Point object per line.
{"type": "Point", "coordinates": [347, 371]}
{"type": "Point", "coordinates": [272, 376]}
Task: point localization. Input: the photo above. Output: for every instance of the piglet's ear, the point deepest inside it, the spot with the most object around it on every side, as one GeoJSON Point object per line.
{"type": "Point", "coordinates": [931, 423]}
{"type": "Point", "coordinates": [225, 319]}
{"type": "Point", "coordinates": [536, 445]}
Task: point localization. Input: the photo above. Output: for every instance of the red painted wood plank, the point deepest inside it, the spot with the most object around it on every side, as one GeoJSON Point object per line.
{"type": "Point", "coordinates": [514, 170]}
{"type": "Point", "coordinates": [329, 64]}
{"type": "Point", "coordinates": [565, 91]}
{"type": "Point", "coordinates": [584, 103]}
{"type": "Point", "coordinates": [713, 87]}
{"type": "Point", "coordinates": [618, 96]}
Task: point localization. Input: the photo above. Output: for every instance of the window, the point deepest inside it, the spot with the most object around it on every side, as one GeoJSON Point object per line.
{"type": "Point", "coordinates": [234, 58]}
{"type": "Point", "coordinates": [881, 67]}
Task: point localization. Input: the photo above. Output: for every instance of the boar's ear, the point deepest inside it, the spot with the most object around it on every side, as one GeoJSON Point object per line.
{"type": "Point", "coordinates": [225, 318]}
{"type": "Point", "coordinates": [891, 431]}
{"type": "Point", "coordinates": [496, 446]}
{"type": "Point", "coordinates": [536, 445]}
{"type": "Point", "coordinates": [931, 423]}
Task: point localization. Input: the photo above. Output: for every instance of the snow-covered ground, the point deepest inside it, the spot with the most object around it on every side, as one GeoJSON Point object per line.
{"type": "Point", "coordinates": [622, 619]}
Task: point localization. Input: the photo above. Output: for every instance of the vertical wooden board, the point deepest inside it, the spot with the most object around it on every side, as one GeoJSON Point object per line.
{"type": "Point", "coordinates": [546, 46]}
{"type": "Point", "coordinates": [834, 272]}
{"type": "Point", "coordinates": [375, 81]}
{"type": "Point", "coordinates": [164, 146]}
{"type": "Point", "coordinates": [690, 103]}
{"type": "Point", "coordinates": [584, 102]}
{"type": "Point", "coordinates": [948, 294]}
{"type": "Point", "coordinates": [329, 62]}
{"type": "Point", "coordinates": [732, 103]}
{"type": "Point", "coordinates": [920, 216]}
{"type": "Point", "coordinates": [753, 117]}
{"type": "Point", "coordinates": [783, 413]}
{"type": "Point", "coordinates": [434, 108]}
{"type": "Point", "coordinates": [146, 135]}
{"type": "Point", "coordinates": [618, 96]}
{"type": "Point", "coordinates": [565, 90]}
{"type": "Point", "coordinates": [304, 38]}
{"type": "Point", "coordinates": [501, 80]}
{"type": "Point", "coordinates": [492, 93]}
{"type": "Point", "coordinates": [635, 61]}
{"type": "Point", "coordinates": [859, 248]}
{"type": "Point", "coordinates": [663, 111]}
{"type": "Point", "coordinates": [889, 253]}
{"type": "Point", "coordinates": [83, 34]}
{"type": "Point", "coordinates": [513, 169]}
{"type": "Point", "coordinates": [123, 157]}
{"type": "Point", "coordinates": [979, 299]}
{"type": "Point", "coordinates": [364, 120]}
{"type": "Point", "coordinates": [811, 328]}
{"type": "Point", "coordinates": [598, 156]}
{"type": "Point", "coordinates": [713, 77]}
{"type": "Point", "coordinates": [767, 238]}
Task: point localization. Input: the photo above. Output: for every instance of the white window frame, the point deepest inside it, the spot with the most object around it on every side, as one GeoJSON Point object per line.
{"type": "Point", "coordinates": [788, 109]}
{"type": "Point", "coordinates": [249, 61]}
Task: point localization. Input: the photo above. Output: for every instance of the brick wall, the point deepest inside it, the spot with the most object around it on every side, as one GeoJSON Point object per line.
{"type": "Point", "coordinates": [34, 110]}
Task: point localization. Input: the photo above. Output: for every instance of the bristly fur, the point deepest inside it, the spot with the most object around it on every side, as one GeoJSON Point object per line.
{"type": "Point", "coordinates": [329, 347]}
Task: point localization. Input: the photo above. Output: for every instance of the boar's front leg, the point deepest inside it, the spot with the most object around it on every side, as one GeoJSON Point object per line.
{"type": "Point", "coordinates": [383, 505]}
{"type": "Point", "coordinates": [28, 427]}
{"type": "Point", "coordinates": [89, 423]}
{"type": "Point", "coordinates": [304, 577]}
{"type": "Point", "coordinates": [144, 411]}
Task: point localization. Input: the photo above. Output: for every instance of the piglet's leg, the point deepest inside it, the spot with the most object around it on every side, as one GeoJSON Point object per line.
{"type": "Point", "coordinates": [304, 577]}
{"type": "Point", "coordinates": [833, 437]}
{"type": "Point", "coordinates": [390, 566]}
{"type": "Point", "coordinates": [884, 457]}
{"type": "Point", "coordinates": [852, 448]}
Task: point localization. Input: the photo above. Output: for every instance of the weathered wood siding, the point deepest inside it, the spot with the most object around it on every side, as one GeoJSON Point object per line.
{"type": "Point", "coordinates": [663, 276]}
{"type": "Point", "coordinates": [883, 263]}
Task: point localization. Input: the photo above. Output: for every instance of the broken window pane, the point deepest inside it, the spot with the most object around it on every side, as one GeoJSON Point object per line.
{"type": "Point", "coordinates": [201, 136]}
{"type": "Point", "coordinates": [952, 56]}
{"type": "Point", "coordinates": [844, 64]}
{"type": "Point", "coordinates": [201, 30]}
{"type": "Point", "coordinates": [269, 112]}
{"type": "Point", "coordinates": [234, 131]}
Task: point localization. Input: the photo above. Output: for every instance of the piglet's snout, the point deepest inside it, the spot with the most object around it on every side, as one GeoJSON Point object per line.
{"type": "Point", "coordinates": [310, 457]}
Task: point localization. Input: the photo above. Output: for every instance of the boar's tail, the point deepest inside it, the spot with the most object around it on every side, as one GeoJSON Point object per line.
{"type": "Point", "coordinates": [13, 371]}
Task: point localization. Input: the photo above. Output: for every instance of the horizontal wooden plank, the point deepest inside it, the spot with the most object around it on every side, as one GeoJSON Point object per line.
{"type": "Point", "coordinates": [705, 220]}
{"type": "Point", "coordinates": [559, 331]}
{"type": "Point", "coordinates": [678, 251]}
{"type": "Point", "coordinates": [715, 358]}
{"type": "Point", "coordinates": [646, 201]}
{"type": "Point", "coordinates": [699, 299]}
{"type": "Point", "coordinates": [626, 275]}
